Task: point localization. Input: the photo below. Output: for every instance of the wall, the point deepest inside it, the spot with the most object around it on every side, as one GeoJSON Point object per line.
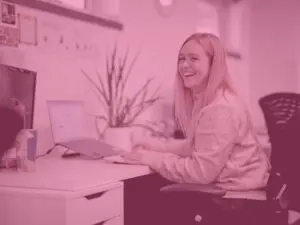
{"type": "Point", "coordinates": [238, 31]}
{"type": "Point", "coordinates": [274, 47]}
{"type": "Point", "coordinates": [157, 38]}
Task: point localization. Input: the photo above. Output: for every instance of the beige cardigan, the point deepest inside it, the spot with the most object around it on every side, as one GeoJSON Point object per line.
{"type": "Point", "coordinates": [225, 152]}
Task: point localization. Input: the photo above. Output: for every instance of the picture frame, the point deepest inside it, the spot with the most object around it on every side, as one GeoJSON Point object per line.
{"type": "Point", "coordinates": [8, 14]}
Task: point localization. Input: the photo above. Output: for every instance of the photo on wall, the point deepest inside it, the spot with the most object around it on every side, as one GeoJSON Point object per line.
{"type": "Point", "coordinates": [9, 36]}
{"type": "Point", "coordinates": [18, 85]}
{"type": "Point", "coordinates": [8, 13]}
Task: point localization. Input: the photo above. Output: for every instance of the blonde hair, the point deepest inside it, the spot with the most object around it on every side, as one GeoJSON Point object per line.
{"type": "Point", "coordinates": [218, 78]}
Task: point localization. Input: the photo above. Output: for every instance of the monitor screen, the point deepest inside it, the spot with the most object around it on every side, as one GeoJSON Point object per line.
{"type": "Point", "coordinates": [18, 83]}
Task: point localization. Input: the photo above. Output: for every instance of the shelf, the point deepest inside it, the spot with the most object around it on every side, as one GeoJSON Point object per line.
{"type": "Point", "coordinates": [56, 9]}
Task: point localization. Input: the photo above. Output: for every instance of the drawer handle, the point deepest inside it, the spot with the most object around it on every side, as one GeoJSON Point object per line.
{"type": "Point", "coordinates": [95, 195]}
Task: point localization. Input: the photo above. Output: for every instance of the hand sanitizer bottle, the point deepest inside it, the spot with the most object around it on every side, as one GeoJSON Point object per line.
{"type": "Point", "coordinates": [26, 150]}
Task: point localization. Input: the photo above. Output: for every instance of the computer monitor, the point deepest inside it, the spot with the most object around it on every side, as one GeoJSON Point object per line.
{"type": "Point", "coordinates": [20, 84]}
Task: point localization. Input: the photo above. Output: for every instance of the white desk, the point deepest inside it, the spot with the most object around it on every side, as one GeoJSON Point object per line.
{"type": "Point", "coordinates": [66, 192]}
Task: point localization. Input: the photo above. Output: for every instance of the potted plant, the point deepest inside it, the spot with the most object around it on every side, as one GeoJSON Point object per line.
{"type": "Point", "coordinates": [121, 110]}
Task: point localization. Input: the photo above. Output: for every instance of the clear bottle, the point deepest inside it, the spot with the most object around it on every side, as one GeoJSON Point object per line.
{"type": "Point", "coordinates": [26, 146]}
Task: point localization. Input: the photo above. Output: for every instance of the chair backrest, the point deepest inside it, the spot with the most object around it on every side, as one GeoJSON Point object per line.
{"type": "Point", "coordinates": [282, 116]}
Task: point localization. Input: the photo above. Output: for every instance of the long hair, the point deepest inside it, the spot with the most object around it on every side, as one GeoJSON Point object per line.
{"type": "Point", "coordinates": [218, 78]}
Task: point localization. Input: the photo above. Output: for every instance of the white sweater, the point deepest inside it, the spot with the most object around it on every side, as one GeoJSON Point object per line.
{"type": "Point", "coordinates": [225, 153]}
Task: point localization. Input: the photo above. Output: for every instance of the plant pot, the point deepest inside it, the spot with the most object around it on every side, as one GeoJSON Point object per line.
{"type": "Point", "coordinates": [120, 137]}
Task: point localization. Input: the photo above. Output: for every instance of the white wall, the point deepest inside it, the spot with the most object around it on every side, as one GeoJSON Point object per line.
{"type": "Point", "coordinates": [274, 47]}
{"type": "Point", "coordinates": [239, 41]}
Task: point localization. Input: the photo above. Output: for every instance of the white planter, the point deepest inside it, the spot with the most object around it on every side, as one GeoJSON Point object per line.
{"type": "Point", "coordinates": [120, 137]}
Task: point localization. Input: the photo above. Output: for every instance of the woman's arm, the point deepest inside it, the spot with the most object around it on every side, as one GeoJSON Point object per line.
{"type": "Point", "coordinates": [215, 134]}
{"type": "Point", "coordinates": [176, 146]}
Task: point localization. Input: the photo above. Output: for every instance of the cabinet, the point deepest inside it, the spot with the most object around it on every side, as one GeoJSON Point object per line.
{"type": "Point", "coordinates": [98, 206]}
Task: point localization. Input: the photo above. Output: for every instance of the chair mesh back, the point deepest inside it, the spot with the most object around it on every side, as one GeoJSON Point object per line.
{"type": "Point", "coordinates": [282, 116]}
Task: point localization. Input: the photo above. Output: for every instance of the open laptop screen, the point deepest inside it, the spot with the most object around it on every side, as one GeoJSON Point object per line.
{"type": "Point", "coordinates": [68, 120]}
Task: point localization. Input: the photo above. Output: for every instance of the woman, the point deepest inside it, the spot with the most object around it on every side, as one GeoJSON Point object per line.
{"type": "Point", "coordinates": [220, 148]}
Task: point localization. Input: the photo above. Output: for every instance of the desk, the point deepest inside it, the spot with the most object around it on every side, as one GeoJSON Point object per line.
{"type": "Point", "coordinates": [66, 192]}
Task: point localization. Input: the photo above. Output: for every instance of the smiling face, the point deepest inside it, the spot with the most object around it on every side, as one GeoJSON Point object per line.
{"type": "Point", "coordinates": [193, 64]}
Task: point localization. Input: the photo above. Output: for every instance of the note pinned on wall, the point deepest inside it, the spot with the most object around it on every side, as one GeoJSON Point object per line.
{"type": "Point", "coordinates": [28, 29]}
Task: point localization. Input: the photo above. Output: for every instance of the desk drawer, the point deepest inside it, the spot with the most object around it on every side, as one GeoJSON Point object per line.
{"type": "Point", "coordinates": [96, 207]}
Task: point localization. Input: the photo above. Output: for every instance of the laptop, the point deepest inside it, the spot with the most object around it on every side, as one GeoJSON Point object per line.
{"type": "Point", "coordinates": [69, 127]}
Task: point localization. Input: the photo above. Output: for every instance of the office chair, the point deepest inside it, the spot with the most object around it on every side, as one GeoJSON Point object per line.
{"type": "Point", "coordinates": [282, 116]}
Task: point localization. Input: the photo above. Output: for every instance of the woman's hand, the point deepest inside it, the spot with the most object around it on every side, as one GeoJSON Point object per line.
{"type": "Point", "coordinates": [136, 156]}
{"type": "Point", "coordinates": [150, 143]}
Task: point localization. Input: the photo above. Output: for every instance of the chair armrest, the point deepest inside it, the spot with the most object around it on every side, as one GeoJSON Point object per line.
{"type": "Point", "coordinates": [208, 189]}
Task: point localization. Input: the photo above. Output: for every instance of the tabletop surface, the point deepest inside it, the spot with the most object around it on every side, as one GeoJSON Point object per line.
{"type": "Point", "coordinates": [70, 174]}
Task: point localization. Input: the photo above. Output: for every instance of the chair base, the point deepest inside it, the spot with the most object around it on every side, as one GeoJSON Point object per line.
{"type": "Point", "coordinates": [192, 209]}
{"type": "Point", "coordinates": [146, 205]}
